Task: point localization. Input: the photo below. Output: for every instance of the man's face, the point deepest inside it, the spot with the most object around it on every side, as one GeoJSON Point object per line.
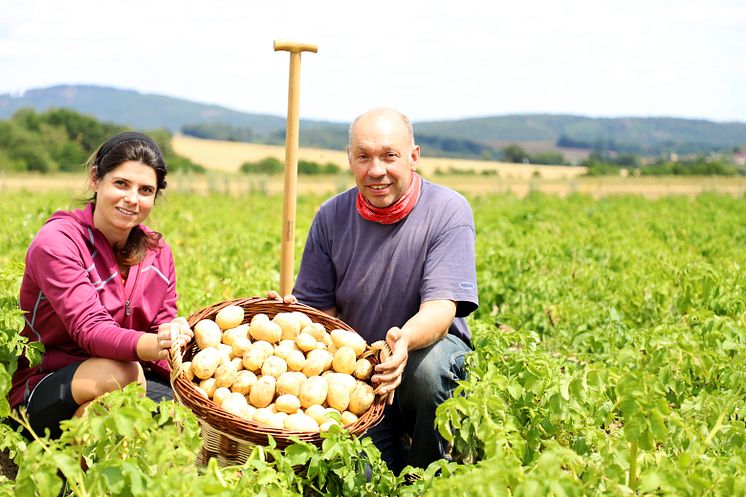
{"type": "Point", "coordinates": [382, 157]}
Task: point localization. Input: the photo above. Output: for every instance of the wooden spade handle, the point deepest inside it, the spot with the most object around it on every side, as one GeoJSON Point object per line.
{"type": "Point", "coordinates": [291, 162]}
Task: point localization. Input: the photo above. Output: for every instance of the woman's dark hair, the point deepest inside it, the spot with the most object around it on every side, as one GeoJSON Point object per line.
{"type": "Point", "coordinates": [131, 146]}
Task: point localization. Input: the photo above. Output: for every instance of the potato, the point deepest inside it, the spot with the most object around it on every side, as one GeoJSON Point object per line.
{"type": "Point", "coordinates": [317, 412]}
{"type": "Point", "coordinates": [317, 361]}
{"type": "Point", "coordinates": [238, 363]}
{"type": "Point", "coordinates": [338, 396]}
{"type": "Point", "coordinates": [331, 410]}
{"type": "Point", "coordinates": [208, 386]}
{"type": "Point", "coordinates": [274, 366]}
{"type": "Point", "coordinates": [348, 418]}
{"type": "Point", "coordinates": [201, 391]}
{"type": "Point", "coordinates": [236, 404]}
{"type": "Point", "coordinates": [205, 362]}
{"type": "Point", "coordinates": [290, 383]}
{"type": "Point", "coordinates": [264, 345]}
{"type": "Point", "coordinates": [259, 317]}
{"type": "Point", "coordinates": [229, 316]}
{"type": "Point", "coordinates": [266, 330]}
{"type": "Point", "coordinates": [289, 324]}
{"type": "Point", "coordinates": [363, 369]}
{"type": "Point", "coordinates": [295, 360]}
{"type": "Point", "coordinates": [254, 358]}
{"type": "Point", "coordinates": [316, 330]}
{"type": "Point", "coordinates": [326, 338]}
{"type": "Point", "coordinates": [313, 391]}
{"type": "Point", "coordinates": [303, 319]}
{"type": "Point", "coordinates": [280, 417]}
{"type": "Point", "coordinates": [186, 367]}
{"type": "Point", "coordinates": [305, 342]}
{"type": "Point", "coordinates": [350, 339]}
{"type": "Point", "coordinates": [326, 425]}
{"type": "Point", "coordinates": [301, 422]}
{"type": "Point", "coordinates": [346, 380]}
{"type": "Point", "coordinates": [225, 375]}
{"type": "Point", "coordinates": [244, 381]}
{"type": "Point", "coordinates": [361, 398]}
{"type": "Point", "coordinates": [207, 334]}
{"type": "Point", "coordinates": [344, 360]}
{"type": "Point", "coordinates": [220, 394]}
{"type": "Point", "coordinates": [225, 352]}
{"type": "Point", "coordinates": [263, 392]}
{"type": "Point", "coordinates": [266, 417]}
{"type": "Point", "coordinates": [287, 403]}
{"type": "Point", "coordinates": [230, 336]}
{"type": "Point", "coordinates": [283, 348]}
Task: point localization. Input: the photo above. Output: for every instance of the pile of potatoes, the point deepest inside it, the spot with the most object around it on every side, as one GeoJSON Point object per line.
{"type": "Point", "coordinates": [286, 372]}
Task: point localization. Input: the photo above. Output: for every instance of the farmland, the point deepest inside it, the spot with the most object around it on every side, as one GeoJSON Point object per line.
{"type": "Point", "coordinates": [228, 156]}
{"type": "Point", "coordinates": [609, 352]}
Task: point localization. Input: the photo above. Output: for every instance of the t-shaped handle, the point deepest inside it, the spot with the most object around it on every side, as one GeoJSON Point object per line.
{"type": "Point", "coordinates": [294, 47]}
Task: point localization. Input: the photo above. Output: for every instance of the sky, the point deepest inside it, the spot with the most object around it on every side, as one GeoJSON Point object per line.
{"type": "Point", "coordinates": [431, 59]}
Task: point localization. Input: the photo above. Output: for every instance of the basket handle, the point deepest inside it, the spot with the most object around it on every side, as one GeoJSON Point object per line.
{"type": "Point", "coordinates": [174, 355]}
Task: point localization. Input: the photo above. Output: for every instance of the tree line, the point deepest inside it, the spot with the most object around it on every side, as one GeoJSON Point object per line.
{"type": "Point", "coordinates": [62, 140]}
{"type": "Point", "coordinates": [606, 162]}
{"type": "Point", "coordinates": [272, 165]}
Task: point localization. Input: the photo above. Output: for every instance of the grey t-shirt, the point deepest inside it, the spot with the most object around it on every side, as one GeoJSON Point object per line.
{"type": "Point", "coordinates": [377, 275]}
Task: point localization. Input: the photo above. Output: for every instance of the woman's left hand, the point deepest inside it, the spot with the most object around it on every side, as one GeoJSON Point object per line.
{"type": "Point", "coordinates": [176, 332]}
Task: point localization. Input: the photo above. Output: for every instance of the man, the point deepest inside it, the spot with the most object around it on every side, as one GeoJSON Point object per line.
{"type": "Point", "coordinates": [394, 259]}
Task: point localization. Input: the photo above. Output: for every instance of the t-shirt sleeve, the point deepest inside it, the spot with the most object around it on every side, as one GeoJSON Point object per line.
{"type": "Point", "coordinates": [57, 268]}
{"type": "Point", "coordinates": [316, 282]}
{"type": "Point", "coordinates": [450, 266]}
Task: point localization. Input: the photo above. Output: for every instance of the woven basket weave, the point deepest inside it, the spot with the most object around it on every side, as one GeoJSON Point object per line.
{"type": "Point", "coordinates": [230, 438]}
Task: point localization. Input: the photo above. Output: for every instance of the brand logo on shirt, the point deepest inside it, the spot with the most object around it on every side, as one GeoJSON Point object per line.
{"type": "Point", "coordinates": [467, 285]}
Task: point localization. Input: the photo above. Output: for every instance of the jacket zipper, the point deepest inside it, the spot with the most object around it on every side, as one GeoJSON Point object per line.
{"type": "Point", "coordinates": [127, 309]}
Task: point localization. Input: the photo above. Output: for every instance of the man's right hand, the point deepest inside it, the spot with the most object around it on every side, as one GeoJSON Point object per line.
{"type": "Point", "coordinates": [288, 299]}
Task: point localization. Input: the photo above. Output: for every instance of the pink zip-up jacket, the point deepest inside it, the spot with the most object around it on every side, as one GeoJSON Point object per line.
{"type": "Point", "coordinates": [77, 305]}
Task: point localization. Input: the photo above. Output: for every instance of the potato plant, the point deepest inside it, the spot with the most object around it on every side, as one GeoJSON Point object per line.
{"type": "Point", "coordinates": [608, 358]}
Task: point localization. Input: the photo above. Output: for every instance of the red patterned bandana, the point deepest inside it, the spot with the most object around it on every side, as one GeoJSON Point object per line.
{"type": "Point", "coordinates": [394, 212]}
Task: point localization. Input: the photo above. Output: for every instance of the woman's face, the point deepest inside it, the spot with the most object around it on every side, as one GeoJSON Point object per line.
{"type": "Point", "coordinates": [124, 198]}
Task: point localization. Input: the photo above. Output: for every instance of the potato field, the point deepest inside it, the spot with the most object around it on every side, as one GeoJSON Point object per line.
{"type": "Point", "coordinates": [609, 360]}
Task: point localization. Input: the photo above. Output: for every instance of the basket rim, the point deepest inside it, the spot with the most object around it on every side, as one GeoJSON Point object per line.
{"type": "Point", "coordinates": [248, 431]}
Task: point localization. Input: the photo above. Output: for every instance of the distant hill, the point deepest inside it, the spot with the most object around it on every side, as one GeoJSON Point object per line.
{"type": "Point", "coordinates": [628, 134]}
{"type": "Point", "coordinates": [131, 108]}
{"type": "Point", "coordinates": [470, 138]}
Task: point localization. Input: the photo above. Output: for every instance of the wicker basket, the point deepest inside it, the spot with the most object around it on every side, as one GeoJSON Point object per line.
{"type": "Point", "coordinates": [230, 438]}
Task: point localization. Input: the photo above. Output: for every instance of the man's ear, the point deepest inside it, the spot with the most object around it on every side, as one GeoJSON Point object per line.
{"type": "Point", "coordinates": [415, 156]}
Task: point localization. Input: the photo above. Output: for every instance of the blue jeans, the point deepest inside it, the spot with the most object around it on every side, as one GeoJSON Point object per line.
{"type": "Point", "coordinates": [429, 379]}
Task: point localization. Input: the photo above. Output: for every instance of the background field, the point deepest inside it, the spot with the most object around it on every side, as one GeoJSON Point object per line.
{"type": "Point", "coordinates": [228, 156]}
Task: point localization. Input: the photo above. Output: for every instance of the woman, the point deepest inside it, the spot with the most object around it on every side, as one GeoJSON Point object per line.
{"type": "Point", "coordinates": [99, 291]}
